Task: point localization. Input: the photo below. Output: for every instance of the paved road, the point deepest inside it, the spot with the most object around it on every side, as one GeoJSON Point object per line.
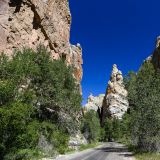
{"type": "Point", "coordinates": [108, 151]}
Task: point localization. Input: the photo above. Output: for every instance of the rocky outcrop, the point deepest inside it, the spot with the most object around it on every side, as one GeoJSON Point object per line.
{"type": "Point", "coordinates": [115, 102]}
{"type": "Point", "coordinates": [156, 54]}
{"type": "Point", "coordinates": [28, 23]}
{"type": "Point", "coordinates": [76, 141]}
{"type": "Point", "coordinates": [94, 103]}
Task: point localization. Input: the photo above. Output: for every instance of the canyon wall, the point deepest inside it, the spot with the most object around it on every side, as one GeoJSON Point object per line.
{"type": "Point", "coordinates": [28, 23]}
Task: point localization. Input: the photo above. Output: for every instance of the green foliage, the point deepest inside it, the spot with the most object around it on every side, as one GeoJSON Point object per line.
{"type": "Point", "coordinates": [17, 128]}
{"type": "Point", "coordinates": [130, 84]}
{"type": "Point", "coordinates": [144, 93]}
{"type": "Point", "coordinates": [102, 135]}
{"type": "Point", "coordinates": [112, 129]}
{"type": "Point", "coordinates": [108, 127]}
{"type": "Point", "coordinates": [58, 138]}
{"type": "Point", "coordinates": [116, 129]}
{"type": "Point", "coordinates": [90, 126]}
{"type": "Point", "coordinates": [38, 97]}
{"type": "Point", "coordinates": [125, 129]}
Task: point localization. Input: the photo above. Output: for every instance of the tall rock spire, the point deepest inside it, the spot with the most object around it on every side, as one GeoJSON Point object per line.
{"type": "Point", "coordinates": [115, 102]}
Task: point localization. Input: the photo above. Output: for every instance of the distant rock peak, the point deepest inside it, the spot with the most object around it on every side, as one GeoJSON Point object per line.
{"type": "Point", "coordinates": [94, 103]}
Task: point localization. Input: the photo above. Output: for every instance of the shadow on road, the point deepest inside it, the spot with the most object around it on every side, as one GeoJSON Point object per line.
{"type": "Point", "coordinates": [122, 151]}
{"type": "Point", "coordinates": [112, 149]}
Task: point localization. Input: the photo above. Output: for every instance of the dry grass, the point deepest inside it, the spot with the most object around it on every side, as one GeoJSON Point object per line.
{"type": "Point", "coordinates": [147, 156]}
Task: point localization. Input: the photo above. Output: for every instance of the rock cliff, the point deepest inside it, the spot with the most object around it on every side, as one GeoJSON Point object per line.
{"type": "Point", "coordinates": [115, 102]}
{"type": "Point", "coordinates": [28, 23]}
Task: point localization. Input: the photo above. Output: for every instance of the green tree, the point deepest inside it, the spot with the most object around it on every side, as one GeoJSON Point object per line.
{"type": "Point", "coordinates": [38, 98]}
{"type": "Point", "coordinates": [116, 129]}
{"type": "Point", "coordinates": [125, 128]}
{"type": "Point", "coordinates": [90, 126]}
{"type": "Point", "coordinates": [144, 93]}
{"type": "Point", "coordinates": [108, 127]}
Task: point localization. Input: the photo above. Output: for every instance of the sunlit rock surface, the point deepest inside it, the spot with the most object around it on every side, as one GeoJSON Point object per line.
{"type": "Point", "coordinates": [115, 102]}
{"type": "Point", "coordinates": [28, 23]}
{"type": "Point", "coordinates": [94, 103]}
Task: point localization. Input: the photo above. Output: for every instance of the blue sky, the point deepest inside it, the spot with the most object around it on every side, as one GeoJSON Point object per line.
{"type": "Point", "coordinates": [113, 31]}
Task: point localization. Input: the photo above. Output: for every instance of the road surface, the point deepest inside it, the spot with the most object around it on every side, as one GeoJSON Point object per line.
{"type": "Point", "coordinates": [108, 151]}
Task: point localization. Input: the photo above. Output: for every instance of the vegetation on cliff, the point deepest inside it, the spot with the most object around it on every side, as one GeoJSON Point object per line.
{"type": "Point", "coordinates": [39, 105]}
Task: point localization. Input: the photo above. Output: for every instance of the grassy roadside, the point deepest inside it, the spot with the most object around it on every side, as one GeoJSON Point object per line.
{"type": "Point", "coordinates": [140, 155]}
{"type": "Point", "coordinates": [92, 145]}
{"type": "Point", "coordinates": [147, 156]}
{"type": "Point", "coordinates": [143, 155]}
{"type": "Point", "coordinates": [83, 147]}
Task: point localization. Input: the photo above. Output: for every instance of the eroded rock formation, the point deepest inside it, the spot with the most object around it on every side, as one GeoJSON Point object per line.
{"type": "Point", "coordinates": [28, 23]}
{"type": "Point", "coordinates": [94, 103]}
{"type": "Point", "coordinates": [115, 102]}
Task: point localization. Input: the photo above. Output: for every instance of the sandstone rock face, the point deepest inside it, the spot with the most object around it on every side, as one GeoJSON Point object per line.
{"type": "Point", "coordinates": [28, 23]}
{"type": "Point", "coordinates": [3, 23]}
{"type": "Point", "coordinates": [94, 103]}
{"type": "Point", "coordinates": [115, 102]}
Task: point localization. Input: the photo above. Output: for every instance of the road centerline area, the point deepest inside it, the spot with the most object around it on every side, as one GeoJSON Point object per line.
{"type": "Point", "coordinates": [108, 151]}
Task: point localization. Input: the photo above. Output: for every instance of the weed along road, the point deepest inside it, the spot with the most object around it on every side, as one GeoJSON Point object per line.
{"type": "Point", "coordinates": [108, 151]}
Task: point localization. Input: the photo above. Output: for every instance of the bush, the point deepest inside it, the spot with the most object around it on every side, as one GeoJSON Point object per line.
{"type": "Point", "coordinates": [17, 128]}
{"type": "Point", "coordinates": [56, 137]}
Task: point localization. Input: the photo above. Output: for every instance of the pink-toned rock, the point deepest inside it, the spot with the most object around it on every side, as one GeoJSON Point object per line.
{"type": "Point", "coordinates": [3, 23]}
{"type": "Point", "coordinates": [28, 23]}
